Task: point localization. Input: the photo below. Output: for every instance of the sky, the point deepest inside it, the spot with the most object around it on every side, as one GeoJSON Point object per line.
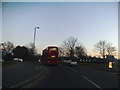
{"type": "Point", "coordinates": [89, 22]}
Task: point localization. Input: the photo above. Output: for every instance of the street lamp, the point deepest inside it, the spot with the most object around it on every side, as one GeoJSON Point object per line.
{"type": "Point", "coordinates": [35, 35]}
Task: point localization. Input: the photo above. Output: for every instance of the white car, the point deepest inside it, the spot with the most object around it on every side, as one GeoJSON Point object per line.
{"type": "Point", "coordinates": [18, 59]}
{"type": "Point", "coordinates": [73, 62]}
{"type": "Point", "coordinates": [68, 61]}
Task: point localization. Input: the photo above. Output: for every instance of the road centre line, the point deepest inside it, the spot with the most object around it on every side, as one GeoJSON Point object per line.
{"type": "Point", "coordinates": [91, 82]}
{"type": "Point", "coordinates": [22, 83]}
{"type": "Point", "coordinates": [30, 85]}
{"type": "Point", "coordinates": [74, 70]}
{"type": "Point", "coordinates": [88, 79]}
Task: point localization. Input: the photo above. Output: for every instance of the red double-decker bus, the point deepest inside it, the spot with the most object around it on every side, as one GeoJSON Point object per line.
{"type": "Point", "coordinates": [50, 55]}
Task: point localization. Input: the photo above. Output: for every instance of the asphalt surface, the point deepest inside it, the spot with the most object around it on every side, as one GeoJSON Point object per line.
{"type": "Point", "coordinates": [63, 76]}
{"type": "Point", "coordinates": [21, 73]}
{"type": "Point", "coordinates": [60, 76]}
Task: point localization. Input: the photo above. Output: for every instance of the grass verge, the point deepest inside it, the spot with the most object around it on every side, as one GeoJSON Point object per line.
{"type": "Point", "coordinates": [102, 67]}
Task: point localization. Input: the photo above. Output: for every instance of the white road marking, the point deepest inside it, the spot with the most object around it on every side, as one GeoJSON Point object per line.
{"type": "Point", "coordinates": [74, 70]}
{"type": "Point", "coordinates": [22, 83]}
{"type": "Point", "coordinates": [35, 82]}
{"type": "Point", "coordinates": [87, 79]}
{"type": "Point", "coordinates": [91, 82]}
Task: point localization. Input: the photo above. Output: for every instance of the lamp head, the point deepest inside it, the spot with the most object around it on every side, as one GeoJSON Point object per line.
{"type": "Point", "coordinates": [37, 27]}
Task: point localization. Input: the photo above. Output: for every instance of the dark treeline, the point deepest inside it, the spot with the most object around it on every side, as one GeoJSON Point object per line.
{"type": "Point", "coordinates": [21, 52]}
{"type": "Point", "coordinates": [70, 48]}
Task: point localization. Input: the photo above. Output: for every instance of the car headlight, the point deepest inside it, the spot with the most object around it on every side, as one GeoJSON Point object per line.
{"type": "Point", "coordinates": [21, 60]}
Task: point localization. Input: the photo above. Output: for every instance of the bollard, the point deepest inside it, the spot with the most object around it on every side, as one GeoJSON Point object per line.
{"type": "Point", "coordinates": [110, 65]}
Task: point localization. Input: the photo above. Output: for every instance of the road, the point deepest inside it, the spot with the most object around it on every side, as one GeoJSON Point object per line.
{"type": "Point", "coordinates": [21, 73]}
{"type": "Point", "coordinates": [60, 76]}
{"type": "Point", "coordinates": [63, 76]}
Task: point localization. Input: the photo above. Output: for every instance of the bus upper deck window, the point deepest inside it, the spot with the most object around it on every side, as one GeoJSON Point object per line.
{"type": "Point", "coordinates": [53, 49]}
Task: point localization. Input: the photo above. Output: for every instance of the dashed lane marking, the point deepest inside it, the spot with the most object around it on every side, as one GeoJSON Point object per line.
{"type": "Point", "coordinates": [35, 82]}
{"type": "Point", "coordinates": [91, 82]}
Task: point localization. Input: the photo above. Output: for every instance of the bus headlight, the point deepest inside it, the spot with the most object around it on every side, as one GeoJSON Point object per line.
{"type": "Point", "coordinates": [52, 56]}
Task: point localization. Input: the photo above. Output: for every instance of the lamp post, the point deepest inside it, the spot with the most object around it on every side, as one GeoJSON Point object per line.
{"type": "Point", "coordinates": [35, 35]}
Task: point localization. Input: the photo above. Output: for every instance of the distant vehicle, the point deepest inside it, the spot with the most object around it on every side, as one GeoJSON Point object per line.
{"type": "Point", "coordinates": [50, 56]}
{"type": "Point", "coordinates": [73, 61]}
{"type": "Point", "coordinates": [68, 61]}
{"type": "Point", "coordinates": [38, 60]}
{"type": "Point", "coordinates": [18, 59]}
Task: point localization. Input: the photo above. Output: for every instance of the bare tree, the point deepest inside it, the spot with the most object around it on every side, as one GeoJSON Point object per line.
{"type": "Point", "coordinates": [69, 46]}
{"type": "Point", "coordinates": [104, 48]}
{"type": "Point", "coordinates": [62, 52]}
{"type": "Point", "coordinates": [31, 48]}
{"type": "Point", "coordinates": [80, 51]}
{"type": "Point", "coordinates": [7, 46]}
{"type": "Point", "coordinates": [110, 49]}
{"type": "Point", "coordinates": [101, 46]}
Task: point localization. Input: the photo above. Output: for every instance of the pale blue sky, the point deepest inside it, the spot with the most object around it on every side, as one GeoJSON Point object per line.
{"type": "Point", "coordinates": [90, 22]}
